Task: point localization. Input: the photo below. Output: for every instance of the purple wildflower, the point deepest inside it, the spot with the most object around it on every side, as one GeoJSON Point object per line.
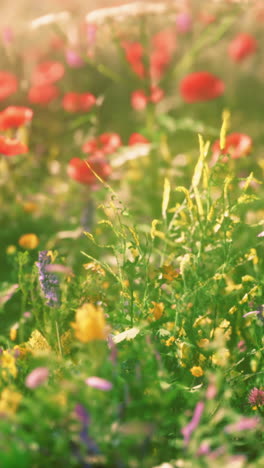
{"type": "Point", "coordinates": [204, 449]}
{"type": "Point", "coordinates": [37, 377]}
{"type": "Point", "coordinates": [256, 397]}
{"type": "Point", "coordinates": [241, 346]}
{"type": "Point", "coordinates": [244, 424]}
{"type": "Point", "coordinates": [49, 282]}
{"type": "Point", "coordinates": [83, 416]}
{"type": "Point", "coordinates": [188, 430]}
{"type": "Point", "coordinates": [100, 384]}
{"type": "Point", "coordinates": [183, 22]}
{"type": "Point", "coordinates": [73, 59]}
{"type": "Point", "coordinates": [259, 312]}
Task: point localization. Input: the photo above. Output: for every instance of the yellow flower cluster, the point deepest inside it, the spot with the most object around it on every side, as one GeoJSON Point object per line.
{"type": "Point", "coordinates": [90, 323]}
{"type": "Point", "coordinates": [8, 364]}
{"type": "Point", "coordinates": [37, 343]}
{"type": "Point", "coordinates": [157, 310]}
{"type": "Point", "coordinates": [9, 401]}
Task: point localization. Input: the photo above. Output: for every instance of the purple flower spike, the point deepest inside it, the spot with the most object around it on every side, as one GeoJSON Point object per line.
{"type": "Point", "coordinates": [100, 384]}
{"type": "Point", "coordinates": [188, 430]}
{"type": "Point", "coordinates": [244, 424]}
{"type": "Point", "coordinates": [82, 414]}
{"type": "Point", "coordinates": [49, 282]}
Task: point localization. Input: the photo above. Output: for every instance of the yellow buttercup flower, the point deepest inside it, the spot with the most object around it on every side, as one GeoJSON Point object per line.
{"type": "Point", "coordinates": [28, 241]}
{"type": "Point", "coordinates": [90, 323]}
{"type": "Point", "coordinates": [197, 371]}
{"type": "Point", "coordinates": [203, 343]}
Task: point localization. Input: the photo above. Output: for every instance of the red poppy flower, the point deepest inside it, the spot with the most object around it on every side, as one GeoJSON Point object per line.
{"type": "Point", "coordinates": [43, 94]}
{"type": "Point", "coordinates": [90, 146]}
{"type": "Point", "coordinates": [110, 142]}
{"type": "Point", "coordinates": [156, 94]}
{"type": "Point", "coordinates": [47, 73]}
{"type": "Point", "coordinates": [134, 53]}
{"type": "Point", "coordinates": [74, 102]}
{"type": "Point", "coordinates": [133, 50]}
{"type": "Point", "coordinates": [159, 60]}
{"type": "Point", "coordinates": [15, 116]}
{"type": "Point", "coordinates": [242, 46]}
{"type": "Point", "coordinates": [86, 101]}
{"type": "Point", "coordinates": [136, 138]}
{"type": "Point", "coordinates": [237, 145]}
{"type": "Point", "coordinates": [106, 143]}
{"type": "Point", "coordinates": [139, 100]}
{"type": "Point", "coordinates": [81, 172]}
{"type": "Point", "coordinates": [201, 86]}
{"type": "Point", "coordinates": [11, 147]}
{"type": "Point", "coordinates": [8, 84]}
{"type": "Point", "coordinates": [70, 102]}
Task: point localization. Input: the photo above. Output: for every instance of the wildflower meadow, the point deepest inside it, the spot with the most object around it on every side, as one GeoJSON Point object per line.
{"type": "Point", "coordinates": [132, 230]}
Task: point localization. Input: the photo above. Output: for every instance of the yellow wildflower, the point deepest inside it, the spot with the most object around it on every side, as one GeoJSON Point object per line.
{"type": "Point", "coordinates": [170, 341]}
{"type": "Point", "coordinates": [157, 310]}
{"type": "Point", "coordinates": [185, 352]}
{"type": "Point", "coordinates": [232, 310]}
{"type": "Point", "coordinates": [169, 273]}
{"type": "Point", "coordinates": [22, 351]}
{"type": "Point", "coordinates": [28, 241]}
{"type": "Point", "coordinates": [29, 207]}
{"type": "Point", "coordinates": [8, 364]}
{"type": "Point", "coordinates": [13, 333]}
{"type": "Point", "coordinates": [203, 343]}
{"type": "Point", "coordinates": [94, 267]}
{"type": "Point", "coordinates": [220, 358]}
{"type": "Point", "coordinates": [197, 371]}
{"type": "Point", "coordinates": [201, 358]}
{"type": "Point", "coordinates": [11, 249]}
{"type": "Point", "coordinates": [37, 343]}
{"type": "Point", "coordinates": [170, 325]}
{"type": "Point", "coordinates": [202, 321]}
{"type": "Point", "coordinates": [246, 278]}
{"type": "Point", "coordinates": [9, 401]}
{"type": "Point", "coordinates": [90, 323]}
{"type": "Point", "coordinates": [60, 398]}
